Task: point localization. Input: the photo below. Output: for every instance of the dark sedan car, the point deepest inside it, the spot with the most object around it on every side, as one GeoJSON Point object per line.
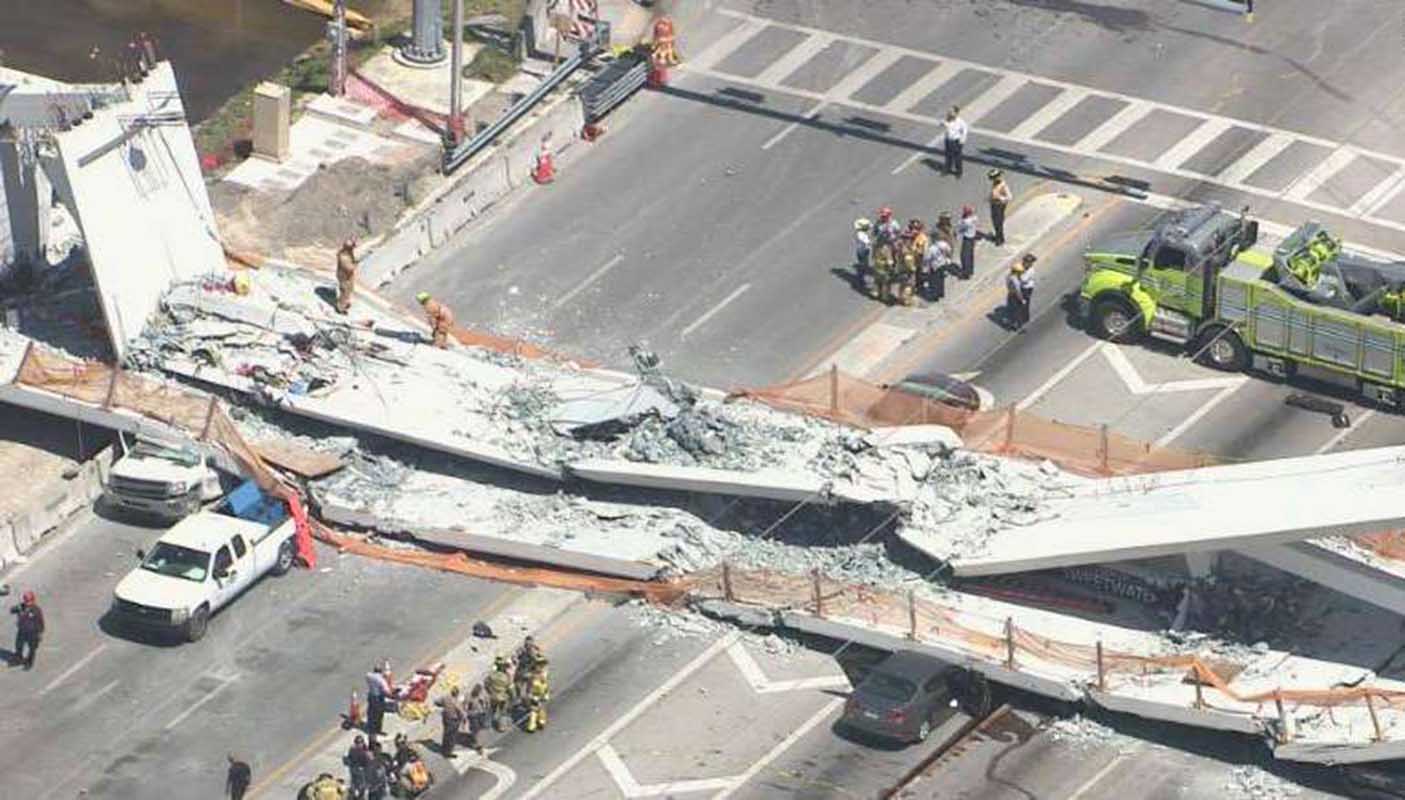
{"type": "Point", "coordinates": [948, 390]}
{"type": "Point", "coordinates": [905, 697]}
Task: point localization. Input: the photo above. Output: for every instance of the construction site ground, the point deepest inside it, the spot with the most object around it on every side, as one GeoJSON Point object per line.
{"type": "Point", "coordinates": [43, 449]}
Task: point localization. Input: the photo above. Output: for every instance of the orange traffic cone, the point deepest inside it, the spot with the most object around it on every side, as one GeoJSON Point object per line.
{"type": "Point", "coordinates": [353, 711]}
{"type": "Point", "coordinates": [545, 171]}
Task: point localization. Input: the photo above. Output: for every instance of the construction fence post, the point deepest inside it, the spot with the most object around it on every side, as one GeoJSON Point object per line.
{"type": "Point", "coordinates": [1283, 728]}
{"type": "Point", "coordinates": [1102, 674]}
{"type": "Point", "coordinates": [1375, 721]}
{"type": "Point", "coordinates": [819, 596]}
{"type": "Point", "coordinates": [834, 389]}
{"type": "Point", "coordinates": [1199, 696]}
{"type": "Point", "coordinates": [111, 388]}
{"type": "Point", "coordinates": [911, 615]}
{"type": "Point", "coordinates": [727, 582]}
{"type": "Point", "coordinates": [1009, 429]}
{"type": "Point", "coordinates": [1103, 448]}
{"type": "Point", "coordinates": [1009, 642]}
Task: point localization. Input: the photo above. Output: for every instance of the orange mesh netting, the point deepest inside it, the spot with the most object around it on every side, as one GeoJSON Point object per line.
{"type": "Point", "coordinates": [923, 618]}
{"type": "Point", "coordinates": [1092, 451]}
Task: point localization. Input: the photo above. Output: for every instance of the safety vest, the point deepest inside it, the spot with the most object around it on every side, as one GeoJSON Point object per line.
{"type": "Point", "coordinates": [498, 685]}
{"type": "Point", "coordinates": [418, 773]}
{"type": "Point", "coordinates": [540, 691]}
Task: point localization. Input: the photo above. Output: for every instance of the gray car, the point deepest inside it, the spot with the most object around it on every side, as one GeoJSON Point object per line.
{"type": "Point", "coordinates": [905, 697]}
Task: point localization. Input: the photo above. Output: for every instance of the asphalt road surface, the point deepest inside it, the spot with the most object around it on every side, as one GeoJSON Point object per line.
{"type": "Point", "coordinates": [125, 717]}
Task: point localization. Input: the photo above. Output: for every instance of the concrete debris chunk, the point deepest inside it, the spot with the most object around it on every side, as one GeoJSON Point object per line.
{"type": "Point", "coordinates": [1082, 733]}
{"type": "Point", "coordinates": [1254, 783]}
{"type": "Point", "coordinates": [672, 624]}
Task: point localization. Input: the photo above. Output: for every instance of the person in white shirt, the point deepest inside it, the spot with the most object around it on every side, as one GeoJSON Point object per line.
{"type": "Point", "coordinates": [955, 140]}
{"type": "Point", "coordinates": [935, 265]}
{"type": "Point", "coordinates": [863, 250]}
{"type": "Point", "coordinates": [966, 229]}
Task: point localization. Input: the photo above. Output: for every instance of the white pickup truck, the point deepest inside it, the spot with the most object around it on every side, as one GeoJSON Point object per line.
{"type": "Point", "coordinates": [162, 479]}
{"type": "Point", "coordinates": [204, 561]}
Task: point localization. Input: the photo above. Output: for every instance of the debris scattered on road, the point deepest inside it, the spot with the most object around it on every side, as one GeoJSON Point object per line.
{"type": "Point", "coordinates": [1254, 783]}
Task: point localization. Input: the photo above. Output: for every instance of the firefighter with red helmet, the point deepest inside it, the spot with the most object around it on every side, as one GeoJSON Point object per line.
{"type": "Point", "coordinates": [29, 630]}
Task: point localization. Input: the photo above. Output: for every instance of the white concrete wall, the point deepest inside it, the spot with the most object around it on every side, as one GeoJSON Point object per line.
{"type": "Point", "coordinates": [137, 193]}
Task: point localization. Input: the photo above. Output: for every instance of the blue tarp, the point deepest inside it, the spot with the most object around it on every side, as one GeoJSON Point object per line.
{"type": "Point", "coordinates": [249, 502]}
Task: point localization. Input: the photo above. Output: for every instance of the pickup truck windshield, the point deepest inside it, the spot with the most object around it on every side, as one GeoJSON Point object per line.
{"type": "Point", "coordinates": [149, 449]}
{"type": "Point", "coordinates": [177, 562]}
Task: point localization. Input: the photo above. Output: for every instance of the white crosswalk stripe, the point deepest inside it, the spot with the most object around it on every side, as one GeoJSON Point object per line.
{"type": "Point", "coordinates": [1258, 155]}
{"type": "Point", "coordinates": [1170, 160]}
{"type": "Point", "coordinates": [924, 86]}
{"type": "Point", "coordinates": [794, 59]}
{"type": "Point", "coordinates": [1057, 106]}
{"type": "Point", "coordinates": [1182, 151]}
{"type": "Point", "coordinates": [992, 97]}
{"type": "Point", "coordinates": [1313, 179]}
{"type": "Point", "coordinates": [1115, 126]}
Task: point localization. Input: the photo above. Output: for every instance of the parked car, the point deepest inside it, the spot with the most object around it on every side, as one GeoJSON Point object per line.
{"type": "Point", "coordinates": [905, 697]}
{"type": "Point", "coordinates": [204, 562]}
{"type": "Point", "coordinates": [945, 389]}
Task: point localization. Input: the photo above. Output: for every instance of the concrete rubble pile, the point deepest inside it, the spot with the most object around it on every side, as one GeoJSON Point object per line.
{"type": "Point", "coordinates": [280, 342]}
{"type": "Point", "coordinates": [1254, 783]}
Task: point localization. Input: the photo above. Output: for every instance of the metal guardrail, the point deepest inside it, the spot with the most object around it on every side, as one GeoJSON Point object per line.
{"type": "Point", "coordinates": [454, 157]}
{"type": "Point", "coordinates": [623, 77]}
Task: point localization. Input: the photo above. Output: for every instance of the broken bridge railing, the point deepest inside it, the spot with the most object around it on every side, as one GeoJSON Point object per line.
{"type": "Point", "coordinates": [1096, 451]}
{"type": "Point", "coordinates": [1004, 642]}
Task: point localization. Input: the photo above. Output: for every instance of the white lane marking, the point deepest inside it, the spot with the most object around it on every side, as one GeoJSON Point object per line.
{"type": "Point", "coordinates": [631, 788]}
{"type": "Point", "coordinates": [68, 673]}
{"type": "Point", "coordinates": [603, 738]}
{"type": "Point", "coordinates": [795, 58]}
{"type": "Point", "coordinates": [1345, 432]}
{"type": "Point", "coordinates": [585, 284]}
{"type": "Point", "coordinates": [924, 86]}
{"type": "Point", "coordinates": [714, 310]}
{"type": "Point", "coordinates": [761, 684]}
{"type": "Point", "coordinates": [992, 97]}
{"type": "Point", "coordinates": [1055, 379]}
{"type": "Point", "coordinates": [1313, 179]}
{"type": "Point", "coordinates": [90, 698]}
{"type": "Point", "coordinates": [784, 132]}
{"type": "Point", "coordinates": [864, 73]}
{"type": "Point", "coordinates": [781, 746]}
{"type": "Point", "coordinates": [1056, 107]}
{"type": "Point", "coordinates": [1207, 131]}
{"type": "Point", "coordinates": [1136, 385]}
{"type": "Point", "coordinates": [1113, 126]}
{"type": "Point", "coordinates": [917, 154]}
{"type": "Point", "coordinates": [503, 774]}
{"type": "Point", "coordinates": [1379, 195]}
{"type": "Point", "coordinates": [728, 43]}
{"type": "Point", "coordinates": [1258, 155]}
{"type": "Point", "coordinates": [224, 684]}
{"type": "Point", "coordinates": [1098, 776]}
{"type": "Point", "coordinates": [1199, 413]}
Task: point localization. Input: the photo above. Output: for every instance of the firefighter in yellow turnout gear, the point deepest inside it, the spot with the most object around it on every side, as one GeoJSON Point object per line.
{"type": "Point", "coordinates": [498, 684]}
{"type": "Point", "coordinates": [538, 694]}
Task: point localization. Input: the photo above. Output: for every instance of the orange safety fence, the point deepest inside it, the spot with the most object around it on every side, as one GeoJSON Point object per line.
{"type": "Point", "coordinates": [1016, 647]}
{"type": "Point", "coordinates": [1007, 431]}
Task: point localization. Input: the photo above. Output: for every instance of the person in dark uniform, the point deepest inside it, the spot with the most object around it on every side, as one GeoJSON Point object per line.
{"type": "Point", "coordinates": [29, 630]}
{"type": "Point", "coordinates": [236, 783]}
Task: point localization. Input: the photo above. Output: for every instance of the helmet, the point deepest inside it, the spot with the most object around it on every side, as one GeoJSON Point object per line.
{"type": "Point", "coordinates": [1018, 267]}
{"type": "Point", "coordinates": [28, 598]}
{"type": "Point", "coordinates": [885, 213]}
{"type": "Point", "coordinates": [350, 243]}
{"type": "Point", "coordinates": [422, 297]}
{"type": "Point", "coordinates": [862, 224]}
{"type": "Point", "coordinates": [500, 662]}
{"type": "Point", "coordinates": [915, 225]}
{"type": "Point", "coordinates": [995, 174]}
{"type": "Point", "coordinates": [1027, 260]}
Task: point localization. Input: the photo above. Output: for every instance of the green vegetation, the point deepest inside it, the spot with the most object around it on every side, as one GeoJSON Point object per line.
{"type": "Point", "coordinates": [492, 64]}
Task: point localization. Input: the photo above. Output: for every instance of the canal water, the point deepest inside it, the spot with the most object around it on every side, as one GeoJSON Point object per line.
{"type": "Point", "coordinates": [216, 46]}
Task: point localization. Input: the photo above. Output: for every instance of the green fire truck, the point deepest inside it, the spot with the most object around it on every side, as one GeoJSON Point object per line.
{"type": "Point", "coordinates": [1307, 306]}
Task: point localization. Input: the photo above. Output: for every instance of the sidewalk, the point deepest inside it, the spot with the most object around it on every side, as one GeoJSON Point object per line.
{"type": "Point", "coordinates": [465, 664]}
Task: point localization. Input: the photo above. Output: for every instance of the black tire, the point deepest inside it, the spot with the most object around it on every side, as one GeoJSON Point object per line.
{"type": "Point", "coordinates": [286, 555]}
{"type": "Point", "coordinates": [1114, 318]}
{"type": "Point", "coordinates": [198, 623]}
{"type": "Point", "coordinates": [1223, 349]}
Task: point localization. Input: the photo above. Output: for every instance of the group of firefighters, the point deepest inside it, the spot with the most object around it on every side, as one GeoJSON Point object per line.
{"type": "Point", "coordinates": [441, 319]}
{"type": "Point", "coordinates": [899, 264]}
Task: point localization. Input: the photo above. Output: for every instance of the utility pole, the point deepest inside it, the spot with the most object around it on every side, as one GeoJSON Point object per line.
{"type": "Point", "coordinates": [456, 122]}
{"type": "Point", "coordinates": [338, 87]}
